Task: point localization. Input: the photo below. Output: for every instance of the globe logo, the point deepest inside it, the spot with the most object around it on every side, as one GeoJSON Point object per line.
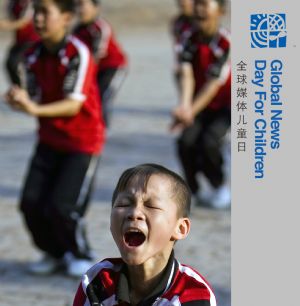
{"type": "Point", "coordinates": [268, 30]}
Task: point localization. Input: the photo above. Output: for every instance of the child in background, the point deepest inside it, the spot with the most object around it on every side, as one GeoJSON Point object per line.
{"type": "Point", "coordinates": [20, 21]}
{"type": "Point", "coordinates": [150, 208]}
{"type": "Point", "coordinates": [204, 112]}
{"type": "Point", "coordinates": [62, 94]}
{"type": "Point", "coordinates": [97, 34]}
{"type": "Point", "coordinates": [181, 30]}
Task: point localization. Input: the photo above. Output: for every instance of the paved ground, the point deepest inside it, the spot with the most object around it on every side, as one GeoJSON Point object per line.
{"type": "Point", "coordinates": [139, 134]}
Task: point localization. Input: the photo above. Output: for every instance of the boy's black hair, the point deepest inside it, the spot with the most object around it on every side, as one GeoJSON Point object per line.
{"type": "Point", "coordinates": [143, 172]}
{"type": "Point", "coordinates": [96, 2]}
{"type": "Point", "coordinates": [222, 3]}
{"type": "Point", "coordinates": [64, 5]}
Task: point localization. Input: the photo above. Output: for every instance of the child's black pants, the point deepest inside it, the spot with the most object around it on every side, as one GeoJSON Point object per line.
{"type": "Point", "coordinates": [55, 198]}
{"type": "Point", "coordinates": [200, 148]}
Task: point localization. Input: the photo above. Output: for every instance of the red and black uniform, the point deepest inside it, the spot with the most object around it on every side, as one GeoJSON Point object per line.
{"type": "Point", "coordinates": [181, 31]}
{"type": "Point", "coordinates": [60, 176]}
{"type": "Point", "coordinates": [24, 38]}
{"type": "Point", "coordinates": [199, 146]}
{"type": "Point", "coordinates": [112, 61]}
{"type": "Point", "coordinates": [107, 283]}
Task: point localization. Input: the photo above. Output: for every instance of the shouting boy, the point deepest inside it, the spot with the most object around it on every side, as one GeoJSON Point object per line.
{"type": "Point", "coordinates": [150, 208]}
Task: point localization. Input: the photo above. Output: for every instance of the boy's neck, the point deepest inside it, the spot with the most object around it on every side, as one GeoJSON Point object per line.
{"type": "Point", "coordinates": [209, 33]}
{"type": "Point", "coordinates": [52, 44]}
{"type": "Point", "coordinates": [143, 290]}
{"type": "Point", "coordinates": [89, 21]}
{"type": "Point", "coordinates": [91, 18]}
{"type": "Point", "coordinates": [144, 278]}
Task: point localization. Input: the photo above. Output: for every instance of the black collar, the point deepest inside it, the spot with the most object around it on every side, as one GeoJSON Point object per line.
{"type": "Point", "coordinates": [122, 293]}
{"type": "Point", "coordinates": [82, 25]}
{"type": "Point", "coordinates": [55, 51]}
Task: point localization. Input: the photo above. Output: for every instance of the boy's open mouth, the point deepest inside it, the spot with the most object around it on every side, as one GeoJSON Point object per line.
{"type": "Point", "coordinates": [134, 238]}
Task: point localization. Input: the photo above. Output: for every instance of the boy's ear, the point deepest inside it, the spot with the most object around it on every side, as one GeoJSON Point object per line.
{"type": "Point", "coordinates": [182, 229]}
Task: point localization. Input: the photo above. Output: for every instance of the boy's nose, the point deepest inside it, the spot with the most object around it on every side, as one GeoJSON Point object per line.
{"type": "Point", "coordinates": [136, 213]}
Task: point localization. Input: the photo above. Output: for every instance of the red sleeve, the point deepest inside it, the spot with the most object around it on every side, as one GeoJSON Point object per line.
{"type": "Point", "coordinates": [80, 297]}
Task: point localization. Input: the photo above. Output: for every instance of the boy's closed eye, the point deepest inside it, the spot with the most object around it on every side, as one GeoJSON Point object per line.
{"type": "Point", "coordinates": [123, 200]}
{"type": "Point", "coordinates": [122, 203]}
{"type": "Point", "coordinates": [129, 202]}
{"type": "Point", "coordinates": [150, 204]}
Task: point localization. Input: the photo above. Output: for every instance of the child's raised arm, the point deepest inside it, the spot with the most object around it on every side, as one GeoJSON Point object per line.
{"type": "Point", "coordinates": [12, 25]}
{"type": "Point", "coordinates": [19, 99]}
{"type": "Point", "coordinates": [206, 95]}
{"type": "Point", "coordinates": [182, 113]}
{"type": "Point", "coordinates": [187, 85]}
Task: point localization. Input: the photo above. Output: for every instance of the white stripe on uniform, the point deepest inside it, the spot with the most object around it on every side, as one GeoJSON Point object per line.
{"type": "Point", "coordinates": [198, 278]}
{"type": "Point", "coordinates": [87, 180]}
{"type": "Point", "coordinates": [94, 270]}
{"type": "Point", "coordinates": [84, 56]}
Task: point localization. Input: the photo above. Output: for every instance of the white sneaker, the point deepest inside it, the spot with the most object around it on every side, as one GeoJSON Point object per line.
{"type": "Point", "coordinates": [76, 267]}
{"type": "Point", "coordinates": [221, 198]}
{"type": "Point", "coordinates": [46, 265]}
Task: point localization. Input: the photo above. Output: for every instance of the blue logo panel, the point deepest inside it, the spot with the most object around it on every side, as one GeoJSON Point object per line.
{"type": "Point", "coordinates": [268, 30]}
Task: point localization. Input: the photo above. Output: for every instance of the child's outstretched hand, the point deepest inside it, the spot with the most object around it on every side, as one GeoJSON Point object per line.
{"type": "Point", "coordinates": [18, 99]}
{"type": "Point", "coordinates": [176, 126]}
{"type": "Point", "coordinates": [182, 117]}
{"type": "Point", "coordinates": [4, 25]}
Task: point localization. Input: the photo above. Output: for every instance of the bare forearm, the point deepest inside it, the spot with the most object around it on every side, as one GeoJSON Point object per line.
{"type": "Point", "coordinates": [63, 108]}
{"type": "Point", "coordinates": [187, 85]}
{"type": "Point", "coordinates": [205, 96]}
{"type": "Point", "coordinates": [19, 99]}
{"type": "Point", "coordinates": [12, 25]}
